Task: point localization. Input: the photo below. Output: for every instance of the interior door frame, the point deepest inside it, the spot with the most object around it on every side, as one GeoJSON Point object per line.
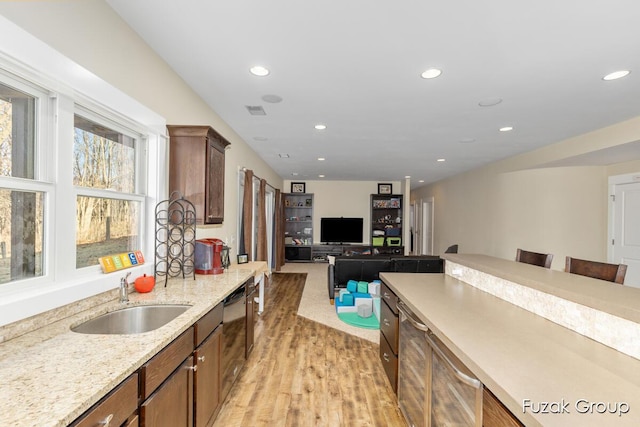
{"type": "Point", "coordinates": [615, 180]}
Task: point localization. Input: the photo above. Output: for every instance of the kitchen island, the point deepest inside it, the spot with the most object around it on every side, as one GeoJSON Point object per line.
{"type": "Point", "coordinates": [52, 375]}
{"type": "Point", "coordinates": [524, 359]}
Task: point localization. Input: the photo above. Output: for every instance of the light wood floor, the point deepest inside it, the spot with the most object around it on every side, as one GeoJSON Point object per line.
{"type": "Point", "coordinates": [302, 373]}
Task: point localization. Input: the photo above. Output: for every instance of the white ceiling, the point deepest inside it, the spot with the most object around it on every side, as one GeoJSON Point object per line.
{"type": "Point", "coordinates": [355, 66]}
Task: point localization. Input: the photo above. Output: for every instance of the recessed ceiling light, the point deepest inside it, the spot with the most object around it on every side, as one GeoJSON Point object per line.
{"type": "Point", "coordinates": [616, 75]}
{"type": "Point", "coordinates": [320, 126]}
{"type": "Point", "coordinates": [320, 176]}
{"type": "Point", "coordinates": [294, 173]}
{"type": "Point", "coordinates": [259, 70]}
{"type": "Point", "coordinates": [422, 180]}
{"type": "Point", "coordinates": [490, 102]}
{"type": "Point", "coordinates": [321, 159]}
{"type": "Point", "coordinates": [431, 73]}
{"type": "Point", "coordinates": [440, 160]}
{"type": "Point", "coordinates": [283, 156]}
{"type": "Point", "coordinates": [506, 129]}
{"type": "Point", "coordinates": [407, 176]}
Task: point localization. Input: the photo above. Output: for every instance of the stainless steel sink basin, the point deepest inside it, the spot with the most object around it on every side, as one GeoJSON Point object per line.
{"type": "Point", "coordinates": [132, 320]}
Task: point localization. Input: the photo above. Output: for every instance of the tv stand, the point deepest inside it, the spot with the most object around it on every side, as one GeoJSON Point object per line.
{"type": "Point", "coordinates": [320, 252]}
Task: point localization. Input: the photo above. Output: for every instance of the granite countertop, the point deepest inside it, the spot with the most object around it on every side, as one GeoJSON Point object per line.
{"type": "Point", "coordinates": [519, 355]}
{"type": "Point", "coordinates": [52, 375]}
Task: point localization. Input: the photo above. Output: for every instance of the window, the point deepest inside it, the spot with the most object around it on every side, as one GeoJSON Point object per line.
{"type": "Point", "coordinates": [22, 206]}
{"type": "Point", "coordinates": [107, 208]}
{"type": "Point", "coordinates": [81, 169]}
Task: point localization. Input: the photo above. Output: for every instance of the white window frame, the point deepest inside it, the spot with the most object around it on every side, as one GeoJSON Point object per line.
{"type": "Point", "coordinates": [66, 85]}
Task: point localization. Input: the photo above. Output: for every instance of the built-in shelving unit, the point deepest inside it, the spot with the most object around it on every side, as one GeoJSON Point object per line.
{"type": "Point", "coordinates": [386, 220]}
{"type": "Point", "coordinates": [298, 229]}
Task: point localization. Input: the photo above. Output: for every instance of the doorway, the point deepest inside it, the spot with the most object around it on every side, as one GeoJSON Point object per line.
{"type": "Point", "coordinates": [624, 225]}
{"type": "Point", "coordinates": [422, 226]}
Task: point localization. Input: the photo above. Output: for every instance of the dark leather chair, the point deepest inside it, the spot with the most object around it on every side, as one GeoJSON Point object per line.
{"type": "Point", "coordinates": [534, 258]}
{"type": "Point", "coordinates": [598, 270]}
{"type": "Point", "coordinates": [453, 249]}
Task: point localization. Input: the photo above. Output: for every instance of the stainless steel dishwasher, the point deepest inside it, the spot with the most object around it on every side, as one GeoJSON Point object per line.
{"type": "Point", "coordinates": [234, 335]}
{"type": "Point", "coordinates": [434, 388]}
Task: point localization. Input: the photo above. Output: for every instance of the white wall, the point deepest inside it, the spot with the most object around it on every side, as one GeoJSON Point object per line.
{"type": "Point", "coordinates": [342, 198]}
{"type": "Point", "coordinates": [94, 36]}
{"type": "Point", "coordinates": [517, 203]}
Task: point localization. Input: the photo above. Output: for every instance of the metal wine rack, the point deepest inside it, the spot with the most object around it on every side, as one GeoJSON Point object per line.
{"type": "Point", "coordinates": [175, 238]}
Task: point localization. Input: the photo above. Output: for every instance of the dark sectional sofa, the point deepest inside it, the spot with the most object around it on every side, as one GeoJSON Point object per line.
{"type": "Point", "coordinates": [368, 268]}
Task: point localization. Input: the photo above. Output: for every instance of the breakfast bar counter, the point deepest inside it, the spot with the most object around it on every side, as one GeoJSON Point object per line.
{"type": "Point", "coordinates": [544, 373]}
{"type": "Point", "coordinates": [52, 375]}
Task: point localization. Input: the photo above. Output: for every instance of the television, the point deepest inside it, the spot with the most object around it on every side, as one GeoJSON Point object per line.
{"type": "Point", "coordinates": [341, 230]}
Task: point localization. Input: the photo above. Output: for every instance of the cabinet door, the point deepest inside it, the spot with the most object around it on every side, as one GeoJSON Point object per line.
{"type": "Point", "coordinates": [214, 207]}
{"type": "Point", "coordinates": [207, 378]}
{"type": "Point", "coordinates": [171, 405]}
{"type": "Point", "coordinates": [115, 407]}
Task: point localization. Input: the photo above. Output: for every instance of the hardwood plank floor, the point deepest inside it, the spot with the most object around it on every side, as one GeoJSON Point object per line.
{"type": "Point", "coordinates": [302, 373]}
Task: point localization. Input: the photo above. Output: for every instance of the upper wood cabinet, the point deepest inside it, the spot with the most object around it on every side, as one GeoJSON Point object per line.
{"type": "Point", "coordinates": [196, 169]}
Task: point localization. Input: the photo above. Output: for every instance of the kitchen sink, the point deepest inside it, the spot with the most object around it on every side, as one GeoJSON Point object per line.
{"type": "Point", "coordinates": [132, 320]}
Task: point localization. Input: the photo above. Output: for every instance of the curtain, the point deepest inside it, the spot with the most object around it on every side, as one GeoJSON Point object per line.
{"type": "Point", "coordinates": [262, 222]}
{"type": "Point", "coordinates": [247, 213]}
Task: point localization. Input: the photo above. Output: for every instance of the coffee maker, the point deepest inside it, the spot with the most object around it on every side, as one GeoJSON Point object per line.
{"type": "Point", "coordinates": [208, 258]}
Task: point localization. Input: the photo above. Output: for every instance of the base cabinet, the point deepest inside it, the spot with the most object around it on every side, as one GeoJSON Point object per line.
{"type": "Point", "coordinates": [171, 405]}
{"type": "Point", "coordinates": [389, 335]}
{"type": "Point", "coordinates": [495, 414]}
{"type": "Point", "coordinates": [115, 408]}
{"type": "Point", "coordinates": [208, 379]}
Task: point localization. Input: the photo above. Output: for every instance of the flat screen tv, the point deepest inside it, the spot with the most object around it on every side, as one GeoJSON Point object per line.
{"type": "Point", "coordinates": [341, 230]}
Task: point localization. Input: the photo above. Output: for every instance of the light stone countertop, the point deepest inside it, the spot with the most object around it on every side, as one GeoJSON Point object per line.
{"type": "Point", "coordinates": [519, 355]}
{"type": "Point", "coordinates": [52, 375]}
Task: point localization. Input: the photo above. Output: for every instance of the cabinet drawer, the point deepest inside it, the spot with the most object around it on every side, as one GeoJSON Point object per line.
{"type": "Point", "coordinates": [389, 297]}
{"type": "Point", "coordinates": [158, 368]}
{"type": "Point", "coordinates": [208, 323]}
{"type": "Point", "coordinates": [389, 363]}
{"type": "Point", "coordinates": [495, 414]}
{"type": "Point", "coordinates": [115, 407]}
{"type": "Point", "coordinates": [389, 326]}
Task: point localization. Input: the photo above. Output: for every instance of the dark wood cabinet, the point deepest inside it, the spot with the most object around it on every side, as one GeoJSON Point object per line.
{"type": "Point", "coordinates": [495, 414]}
{"type": "Point", "coordinates": [298, 226]}
{"type": "Point", "coordinates": [196, 169]}
{"type": "Point", "coordinates": [115, 408]}
{"type": "Point", "coordinates": [207, 382]}
{"type": "Point", "coordinates": [208, 375]}
{"type": "Point", "coordinates": [389, 334]}
{"type": "Point", "coordinates": [386, 220]}
{"type": "Point", "coordinates": [171, 405]}
{"type": "Point", "coordinates": [166, 384]}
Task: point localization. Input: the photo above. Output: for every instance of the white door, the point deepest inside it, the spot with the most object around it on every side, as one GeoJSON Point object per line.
{"type": "Point", "coordinates": [626, 230]}
{"type": "Point", "coordinates": [427, 227]}
{"type": "Point", "coordinates": [416, 228]}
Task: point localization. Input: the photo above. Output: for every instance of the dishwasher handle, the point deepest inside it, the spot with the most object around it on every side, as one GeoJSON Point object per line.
{"type": "Point", "coordinates": [411, 317]}
{"type": "Point", "coordinates": [471, 381]}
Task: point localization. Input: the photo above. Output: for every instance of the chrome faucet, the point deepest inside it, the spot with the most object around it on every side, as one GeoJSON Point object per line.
{"type": "Point", "coordinates": [124, 288]}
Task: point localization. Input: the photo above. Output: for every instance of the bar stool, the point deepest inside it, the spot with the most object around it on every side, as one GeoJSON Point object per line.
{"type": "Point", "coordinates": [598, 270]}
{"type": "Point", "coordinates": [534, 258]}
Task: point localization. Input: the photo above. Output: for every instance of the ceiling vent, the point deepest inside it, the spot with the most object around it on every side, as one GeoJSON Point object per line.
{"type": "Point", "coordinates": [255, 110]}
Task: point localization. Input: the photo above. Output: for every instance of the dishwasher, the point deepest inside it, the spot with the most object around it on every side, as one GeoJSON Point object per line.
{"type": "Point", "coordinates": [234, 316]}
{"type": "Point", "coordinates": [434, 388]}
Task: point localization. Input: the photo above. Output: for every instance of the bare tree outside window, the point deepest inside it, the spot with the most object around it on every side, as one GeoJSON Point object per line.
{"type": "Point", "coordinates": [104, 159]}
{"type": "Point", "coordinates": [21, 212]}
